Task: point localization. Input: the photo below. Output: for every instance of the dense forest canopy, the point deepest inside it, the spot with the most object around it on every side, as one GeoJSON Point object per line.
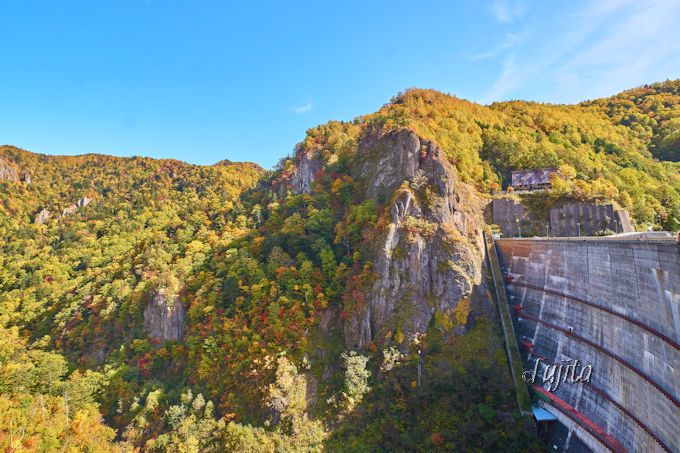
{"type": "Point", "coordinates": [89, 240]}
{"type": "Point", "coordinates": [624, 148]}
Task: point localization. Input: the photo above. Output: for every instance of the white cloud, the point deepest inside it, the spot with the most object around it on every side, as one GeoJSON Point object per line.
{"type": "Point", "coordinates": [506, 81]}
{"type": "Point", "coordinates": [644, 36]}
{"type": "Point", "coordinates": [509, 41]}
{"type": "Point", "coordinates": [303, 108]}
{"type": "Point", "coordinates": [599, 50]}
{"type": "Point", "coordinates": [506, 11]}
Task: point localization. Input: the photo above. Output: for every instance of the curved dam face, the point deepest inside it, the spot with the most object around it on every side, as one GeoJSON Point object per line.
{"type": "Point", "coordinates": [613, 304]}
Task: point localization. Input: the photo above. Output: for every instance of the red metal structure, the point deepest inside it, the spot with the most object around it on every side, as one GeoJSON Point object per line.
{"type": "Point", "coordinates": [595, 430]}
{"type": "Point", "coordinates": [621, 360]}
{"type": "Point", "coordinates": [622, 409]}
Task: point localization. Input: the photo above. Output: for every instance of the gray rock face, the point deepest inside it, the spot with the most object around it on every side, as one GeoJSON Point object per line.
{"type": "Point", "coordinates": [308, 164]}
{"type": "Point", "coordinates": [26, 177]}
{"type": "Point", "coordinates": [164, 319]}
{"type": "Point", "coordinates": [7, 172]}
{"type": "Point", "coordinates": [387, 161]}
{"type": "Point", "coordinates": [72, 209]}
{"type": "Point", "coordinates": [42, 217]}
{"type": "Point", "coordinates": [429, 260]}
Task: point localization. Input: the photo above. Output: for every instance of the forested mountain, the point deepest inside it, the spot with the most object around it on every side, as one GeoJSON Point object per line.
{"type": "Point", "coordinates": [339, 301]}
{"type": "Point", "coordinates": [653, 112]}
{"type": "Point", "coordinates": [85, 241]}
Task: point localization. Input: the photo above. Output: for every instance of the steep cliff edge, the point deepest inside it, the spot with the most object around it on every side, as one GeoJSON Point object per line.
{"type": "Point", "coordinates": [164, 317]}
{"type": "Point", "coordinates": [309, 162]}
{"type": "Point", "coordinates": [411, 308]}
{"type": "Point", "coordinates": [427, 259]}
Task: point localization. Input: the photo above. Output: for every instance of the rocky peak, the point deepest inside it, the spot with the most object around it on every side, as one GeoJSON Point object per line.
{"type": "Point", "coordinates": [164, 317]}
{"type": "Point", "coordinates": [385, 161]}
{"type": "Point", "coordinates": [429, 259]}
{"type": "Point", "coordinates": [309, 162]}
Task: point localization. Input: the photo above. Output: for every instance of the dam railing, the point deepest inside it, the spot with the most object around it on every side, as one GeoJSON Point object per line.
{"type": "Point", "coordinates": [626, 237]}
{"type": "Point", "coordinates": [595, 430]}
{"type": "Point", "coordinates": [511, 348]}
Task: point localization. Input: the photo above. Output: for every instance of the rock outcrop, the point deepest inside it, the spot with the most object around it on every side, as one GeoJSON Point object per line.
{"type": "Point", "coordinates": [309, 162]}
{"type": "Point", "coordinates": [164, 317]}
{"type": "Point", "coordinates": [7, 171]}
{"type": "Point", "coordinates": [72, 209]}
{"type": "Point", "coordinates": [429, 260]}
{"type": "Point", "coordinates": [26, 177]}
{"type": "Point", "coordinates": [42, 217]}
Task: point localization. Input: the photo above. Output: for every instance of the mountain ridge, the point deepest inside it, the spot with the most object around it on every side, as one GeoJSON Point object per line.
{"type": "Point", "coordinates": [339, 301]}
{"type": "Point", "coordinates": [668, 86]}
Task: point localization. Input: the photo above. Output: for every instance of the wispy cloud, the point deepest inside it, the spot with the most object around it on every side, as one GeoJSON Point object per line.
{"type": "Point", "coordinates": [302, 108]}
{"type": "Point", "coordinates": [602, 48]}
{"type": "Point", "coordinates": [506, 11]}
{"type": "Point", "coordinates": [509, 41]}
{"type": "Point", "coordinates": [506, 82]}
{"type": "Point", "coordinates": [644, 35]}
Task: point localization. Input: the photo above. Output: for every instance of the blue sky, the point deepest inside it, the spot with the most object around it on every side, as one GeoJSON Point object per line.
{"type": "Point", "coordinates": [203, 81]}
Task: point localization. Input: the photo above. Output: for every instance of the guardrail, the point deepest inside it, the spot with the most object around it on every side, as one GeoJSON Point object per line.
{"type": "Point", "coordinates": [511, 349]}
{"type": "Point", "coordinates": [646, 239]}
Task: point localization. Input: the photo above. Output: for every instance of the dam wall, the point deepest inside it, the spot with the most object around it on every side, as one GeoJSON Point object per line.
{"type": "Point", "coordinates": [613, 304]}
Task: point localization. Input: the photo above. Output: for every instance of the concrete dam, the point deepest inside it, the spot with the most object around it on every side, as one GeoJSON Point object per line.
{"type": "Point", "coordinates": [612, 303]}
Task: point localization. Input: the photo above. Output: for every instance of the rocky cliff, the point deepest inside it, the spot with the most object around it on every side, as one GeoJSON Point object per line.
{"type": "Point", "coordinates": [309, 163]}
{"type": "Point", "coordinates": [164, 317]}
{"type": "Point", "coordinates": [44, 215]}
{"type": "Point", "coordinates": [428, 260]}
{"type": "Point", "coordinates": [73, 208]}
